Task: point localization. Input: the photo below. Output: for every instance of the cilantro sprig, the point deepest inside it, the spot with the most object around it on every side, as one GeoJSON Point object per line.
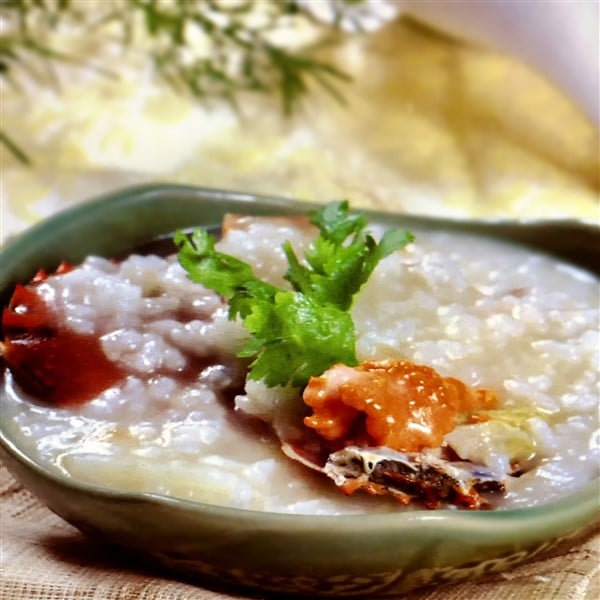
{"type": "Point", "coordinates": [300, 332]}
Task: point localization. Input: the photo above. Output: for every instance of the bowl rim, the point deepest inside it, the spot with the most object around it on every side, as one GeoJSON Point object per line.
{"type": "Point", "coordinates": [567, 232]}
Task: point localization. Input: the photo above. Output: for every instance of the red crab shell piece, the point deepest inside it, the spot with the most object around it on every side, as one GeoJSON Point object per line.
{"type": "Point", "coordinates": [46, 359]}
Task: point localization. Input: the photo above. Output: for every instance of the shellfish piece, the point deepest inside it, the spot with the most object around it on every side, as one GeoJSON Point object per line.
{"type": "Point", "coordinates": [406, 407]}
{"type": "Point", "coordinates": [238, 222]}
{"type": "Point", "coordinates": [48, 360]}
{"type": "Point", "coordinates": [425, 477]}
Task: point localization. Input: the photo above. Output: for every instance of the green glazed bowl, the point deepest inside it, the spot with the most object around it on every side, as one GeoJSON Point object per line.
{"type": "Point", "coordinates": [305, 555]}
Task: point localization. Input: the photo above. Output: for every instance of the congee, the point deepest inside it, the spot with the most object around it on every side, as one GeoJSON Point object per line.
{"type": "Point", "coordinates": [475, 383]}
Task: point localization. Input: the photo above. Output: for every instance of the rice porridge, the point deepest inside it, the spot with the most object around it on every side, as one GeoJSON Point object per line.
{"type": "Point", "coordinates": [182, 420]}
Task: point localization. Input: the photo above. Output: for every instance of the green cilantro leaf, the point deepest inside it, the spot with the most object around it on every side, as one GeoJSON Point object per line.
{"type": "Point", "coordinates": [337, 267]}
{"type": "Point", "coordinates": [298, 333]}
{"type": "Point", "coordinates": [293, 338]}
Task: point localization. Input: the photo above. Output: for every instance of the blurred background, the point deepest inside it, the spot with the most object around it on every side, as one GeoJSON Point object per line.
{"type": "Point", "coordinates": [391, 104]}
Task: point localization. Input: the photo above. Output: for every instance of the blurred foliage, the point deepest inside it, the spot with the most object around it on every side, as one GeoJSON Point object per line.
{"type": "Point", "coordinates": [206, 48]}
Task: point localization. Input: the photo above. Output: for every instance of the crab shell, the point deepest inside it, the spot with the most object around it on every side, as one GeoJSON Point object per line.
{"type": "Point", "coordinates": [425, 477]}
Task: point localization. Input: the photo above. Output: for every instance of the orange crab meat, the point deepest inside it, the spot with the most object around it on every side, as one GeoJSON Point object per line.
{"type": "Point", "coordinates": [406, 407]}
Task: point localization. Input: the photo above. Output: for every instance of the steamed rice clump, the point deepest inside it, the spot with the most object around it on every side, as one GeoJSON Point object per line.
{"type": "Point", "coordinates": [493, 315]}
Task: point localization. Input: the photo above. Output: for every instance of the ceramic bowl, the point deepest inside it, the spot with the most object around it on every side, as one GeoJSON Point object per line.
{"type": "Point", "coordinates": [306, 555]}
